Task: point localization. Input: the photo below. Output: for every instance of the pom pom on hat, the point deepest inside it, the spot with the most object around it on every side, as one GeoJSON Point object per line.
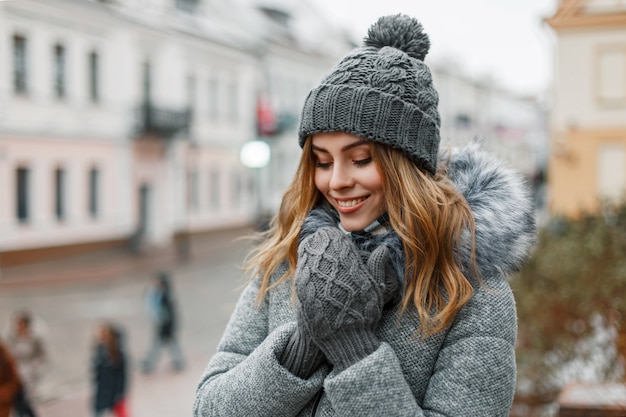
{"type": "Point", "coordinates": [401, 32]}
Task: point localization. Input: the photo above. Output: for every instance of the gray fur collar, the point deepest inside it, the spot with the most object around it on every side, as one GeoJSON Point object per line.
{"type": "Point", "coordinates": [499, 199]}
{"type": "Point", "coordinates": [503, 210]}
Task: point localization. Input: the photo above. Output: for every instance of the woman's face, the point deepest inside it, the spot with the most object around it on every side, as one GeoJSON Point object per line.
{"type": "Point", "coordinates": [104, 334]}
{"type": "Point", "coordinates": [347, 176]}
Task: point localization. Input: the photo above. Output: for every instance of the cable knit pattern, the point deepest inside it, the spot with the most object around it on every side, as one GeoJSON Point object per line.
{"type": "Point", "coordinates": [341, 301]}
{"type": "Point", "coordinates": [324, 215]}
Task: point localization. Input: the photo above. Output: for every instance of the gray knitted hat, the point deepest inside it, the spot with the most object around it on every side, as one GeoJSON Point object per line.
{"type": "Point", "coordinates": [382, 91]}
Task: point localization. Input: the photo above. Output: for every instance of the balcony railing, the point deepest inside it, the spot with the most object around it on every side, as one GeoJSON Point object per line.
{"type": "Point", "coordinates": [163, 122]}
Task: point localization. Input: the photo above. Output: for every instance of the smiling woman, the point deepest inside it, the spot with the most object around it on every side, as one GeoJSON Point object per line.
{"type": "Point", "coordinates": [380, 287]}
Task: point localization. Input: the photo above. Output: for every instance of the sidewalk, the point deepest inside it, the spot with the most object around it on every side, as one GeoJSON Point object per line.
{"type": "Point", "coordinates": [161, 393]}
{"type": "Point", "coordinates": [110, 284]}
{"type": "Point", "coordinates": [104, 264]}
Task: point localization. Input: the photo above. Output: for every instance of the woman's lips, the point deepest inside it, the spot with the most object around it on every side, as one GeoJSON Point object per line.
{"type": "Point", "coordinates": [349, 205]}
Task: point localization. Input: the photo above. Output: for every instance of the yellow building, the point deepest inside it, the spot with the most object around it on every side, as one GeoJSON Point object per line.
{"type": "Point", "coordinates": [587, 162]}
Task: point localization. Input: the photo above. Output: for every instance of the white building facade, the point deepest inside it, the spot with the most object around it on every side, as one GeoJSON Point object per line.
{"type": "Point", "coordinates": [511, 127]}
{"type": "Point", "coordinates": [121, 121]}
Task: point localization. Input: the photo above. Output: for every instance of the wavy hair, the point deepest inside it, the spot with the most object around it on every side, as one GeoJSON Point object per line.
{"type": "Point", "coordinates": [426, 212]}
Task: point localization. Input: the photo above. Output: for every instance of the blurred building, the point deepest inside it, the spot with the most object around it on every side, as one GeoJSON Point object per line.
{"type": "Point", "coordinates": [588, 124]}
{"type": "Point", "coordinates": [302, 46]}
{"type": "Point", "coordinates": [121, 121]}
{"type": "Point", "coordinates": [510, 126]}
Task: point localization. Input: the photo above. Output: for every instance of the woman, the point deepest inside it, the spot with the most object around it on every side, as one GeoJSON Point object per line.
{"type": "Point", "coordinates": [10, 384]}
{"type": "Point", "coordinates": [381, 286]}
{"type": "Point", "coordinates": [108, 370]}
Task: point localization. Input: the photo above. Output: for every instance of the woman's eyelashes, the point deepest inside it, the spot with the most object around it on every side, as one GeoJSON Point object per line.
{"type": "Point", "coordinates": [357, 162]}
{"type": "Point", "coordinates": [362, 162]}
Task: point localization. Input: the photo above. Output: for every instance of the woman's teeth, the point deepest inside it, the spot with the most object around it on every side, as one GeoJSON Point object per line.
{"type": "Point", "coordinates": [350, 203]}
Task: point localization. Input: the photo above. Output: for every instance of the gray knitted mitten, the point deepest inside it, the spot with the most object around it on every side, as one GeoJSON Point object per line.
{"type": "Point", "coordinates": [341, 298]}
{"type": "Point", "coordinates": [301, 356]}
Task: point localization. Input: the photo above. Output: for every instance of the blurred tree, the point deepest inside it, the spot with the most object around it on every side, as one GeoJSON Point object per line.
{"type": "Point", "coordinates": [571, 300]}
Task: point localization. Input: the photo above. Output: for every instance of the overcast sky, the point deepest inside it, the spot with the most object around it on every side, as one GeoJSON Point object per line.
{"type": "Point", "coordinates": [502, 38]}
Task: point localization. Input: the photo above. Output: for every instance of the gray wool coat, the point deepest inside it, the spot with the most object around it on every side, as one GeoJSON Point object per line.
{"type": "Point", "coordinates": [467, 370]}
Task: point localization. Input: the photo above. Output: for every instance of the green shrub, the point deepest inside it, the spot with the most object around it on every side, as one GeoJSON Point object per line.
{"type": "Point", "coordinates": [571, 300]}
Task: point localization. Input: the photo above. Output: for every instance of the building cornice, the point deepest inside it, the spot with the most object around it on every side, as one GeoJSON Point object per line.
{"type": "Point", "coordinates": [607, 21]}
{"type": "Point", "coordinates": [572, 14]}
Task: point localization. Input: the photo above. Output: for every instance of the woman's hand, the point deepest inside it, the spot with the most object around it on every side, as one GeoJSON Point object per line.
{"type": "Point", "coordinates": [341, 298]}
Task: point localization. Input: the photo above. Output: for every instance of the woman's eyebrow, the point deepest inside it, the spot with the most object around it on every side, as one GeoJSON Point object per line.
{"type": "Point", "coordinates": [355, 144]}
{"type": "Point", "coordinates": [345, 148]}
{"type": "Point", "coordinates": [318, 149]}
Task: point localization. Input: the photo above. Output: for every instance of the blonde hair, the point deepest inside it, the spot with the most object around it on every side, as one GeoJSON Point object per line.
{"type": "Point", "coordinates": [426, 212]}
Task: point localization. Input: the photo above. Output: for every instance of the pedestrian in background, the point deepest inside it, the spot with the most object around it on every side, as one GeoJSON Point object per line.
{"type": "Point", "coordinates": [161, 307]}
{"type": "Point", "coordinates": [28, 349]}
{"type": "Point", "coordinates": [109, 372]}
{"type": "Point", "coordinates": [10, 384]}
{"type": "Point", "coordinates": [380, 288]}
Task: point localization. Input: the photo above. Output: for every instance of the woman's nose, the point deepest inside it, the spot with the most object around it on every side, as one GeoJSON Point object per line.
{"type": "Point", "coordinates": [340, 177]}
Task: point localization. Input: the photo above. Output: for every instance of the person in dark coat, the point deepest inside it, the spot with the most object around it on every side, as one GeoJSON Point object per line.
{"type": "Point", "coordinates": [109, 366]}
{"type": "Point", "coordinates": [162, 310]}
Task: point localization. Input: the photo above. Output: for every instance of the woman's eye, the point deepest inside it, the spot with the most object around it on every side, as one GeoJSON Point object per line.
{"type": "Point", "coordinates": [362, 162]}
{"type": "Point", "coordinates": [322, 165]}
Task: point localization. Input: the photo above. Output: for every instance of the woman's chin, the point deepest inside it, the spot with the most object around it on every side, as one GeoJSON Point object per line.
{"type": "Point", "coordinates": [353, 225]}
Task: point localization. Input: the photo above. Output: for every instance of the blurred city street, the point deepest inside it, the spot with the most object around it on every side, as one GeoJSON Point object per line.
{"type": "Point", "coordinates": [146, 136]}
{"type": "Point", "coordinates": [206, 289]}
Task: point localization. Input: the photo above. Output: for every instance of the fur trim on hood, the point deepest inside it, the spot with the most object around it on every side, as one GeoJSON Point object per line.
{"type": "Point", "coordinates": [503, 210]}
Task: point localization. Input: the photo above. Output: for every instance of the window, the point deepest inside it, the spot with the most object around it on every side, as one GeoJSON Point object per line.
{"type": "Point", "coordinates": [193, 201]}
{"type": "Point", "coordinates": [59, 71]}
{"type": "Point", "coordinates": [94, 191]}
{"type": "Point", "coordinates": [612, 171]}
{"type": "Point", "coordinates": [191, 101]}
{"type": "Point", "coordinates": [94, 75]}
{"type": "Point", "coordinates": [214, 181]}
{"type": "Point", "coordinates": [463, 121]}
{"type": "Point", "coordinates": [147, 82]}
{"type": "Point", "coordinates": [22, 178]}
{"type": "Point", "coordinates": [233, 102]}
{"type": "Point", "coordinates": [20, 83]}
{"type": "Point", "coordinates": [612, 76]}
{"type": "Point", "coordinates": [59, 193]}
{"type": "Point", "coordinates": [236, 189]}
{"type": "Point", "coordinates": [191, 92]}
{"type": "Point", "coordinates": [213, 98]}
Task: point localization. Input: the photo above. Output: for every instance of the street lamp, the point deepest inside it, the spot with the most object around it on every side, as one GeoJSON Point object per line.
{"type": "Point", "coordinates": [256, 155]}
